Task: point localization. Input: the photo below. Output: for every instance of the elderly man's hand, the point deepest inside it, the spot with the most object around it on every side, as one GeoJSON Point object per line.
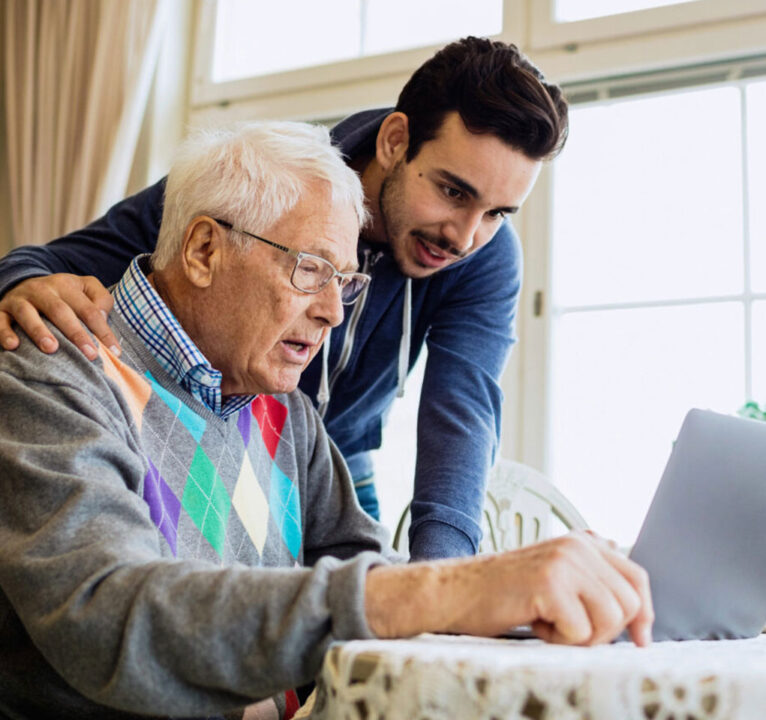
{"type": "Point", "coordinates": [577, 590]}
{"type": "Point", "coordinates": [67, 301]}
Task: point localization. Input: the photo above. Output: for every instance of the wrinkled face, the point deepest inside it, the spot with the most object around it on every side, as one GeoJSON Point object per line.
{"type": "Point", "coordinates": [267, 331]}
{"type": "Point", "coordinates": [451, 198]}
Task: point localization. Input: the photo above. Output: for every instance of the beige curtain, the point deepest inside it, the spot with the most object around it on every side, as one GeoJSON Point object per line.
{"type": "Point", "coordinates": [77, 76]}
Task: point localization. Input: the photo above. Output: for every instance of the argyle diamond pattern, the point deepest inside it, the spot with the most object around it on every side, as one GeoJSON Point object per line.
{"type": "Point", "coordinates": [206, 500]}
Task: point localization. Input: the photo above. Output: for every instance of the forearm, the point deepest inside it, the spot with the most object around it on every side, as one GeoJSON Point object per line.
{"type": "Point", "coordinates": [460, 404]}
{"type": "Point", "coordinates": [457, 438]}
{"type": "Point", "coordinates": [575, 590]}
{"type": "Point", "coordinates": [103, 249]}
{"type": "Point", "coordinates": [445, 596]}
{"type": "Point", "coordinates": [24, 263]}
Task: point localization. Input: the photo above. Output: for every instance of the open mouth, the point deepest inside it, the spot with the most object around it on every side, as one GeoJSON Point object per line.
{"type": "Point", "coordinates": [431, 251]}
{"type": "Point", "coordinates": [428, 256]}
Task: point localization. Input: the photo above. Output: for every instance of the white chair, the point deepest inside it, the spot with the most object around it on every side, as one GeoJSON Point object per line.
{"type": "Point", "coordinates": [518, 509]}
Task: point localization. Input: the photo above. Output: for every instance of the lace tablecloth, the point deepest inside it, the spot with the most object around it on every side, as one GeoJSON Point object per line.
{"type": "Point", "coordinates": [440, 677]}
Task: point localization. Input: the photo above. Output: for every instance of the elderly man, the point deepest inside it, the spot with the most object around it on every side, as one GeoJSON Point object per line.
{"type": "Point", "coordinates": [178, 536]}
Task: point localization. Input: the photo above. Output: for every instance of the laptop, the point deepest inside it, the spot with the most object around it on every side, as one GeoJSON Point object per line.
{"type": "Point", "coordinates": [703, 540]}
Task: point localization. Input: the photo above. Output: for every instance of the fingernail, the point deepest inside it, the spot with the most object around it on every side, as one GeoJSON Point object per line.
{"type": "Point", "coordinates": [89, 351]}
{"type": "Point", "coordinates": [47, 345]}
{"type": "Point", "coordinates": [115, 350]}
{"type": "Point", "coordinates": [646, 636]}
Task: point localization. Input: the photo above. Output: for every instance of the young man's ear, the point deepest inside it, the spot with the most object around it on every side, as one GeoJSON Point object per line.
{"type": "Point", "coordinates": [393, 139]}
{"type": "Point", "coordinates": [202, 250]}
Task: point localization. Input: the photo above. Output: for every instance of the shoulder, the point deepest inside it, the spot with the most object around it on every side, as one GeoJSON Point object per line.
{"type": "Point", "coordinates": [356, 134]}
{"type": "Point", "coordinates": [66, 366]}
{"type": "Point", "coordinates": [64, 379]}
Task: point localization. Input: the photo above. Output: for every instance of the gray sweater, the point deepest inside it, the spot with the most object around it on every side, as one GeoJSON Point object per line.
{"type": "Point", "coordinates": [149, 549]}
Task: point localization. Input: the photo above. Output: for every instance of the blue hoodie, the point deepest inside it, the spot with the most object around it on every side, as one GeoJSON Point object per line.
{"type": "Point", "coordinates": [465, 314]}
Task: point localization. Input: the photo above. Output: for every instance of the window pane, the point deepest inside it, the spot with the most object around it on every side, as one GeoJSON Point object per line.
{"type": "Point", "coordinates": [759, 353]}
{"type": "Point", "coordinates": [570, 10]}
{"type": "Point", "coordinates": [398, 24]}
{"type": "Point", "coordinates": [647, 200]}
{"type": "Point", "coordinates": [622, 382]}
{"type": "Point", "coordinates": [255, 38]}
{"type": "Point", "coordinates": [756, 153]}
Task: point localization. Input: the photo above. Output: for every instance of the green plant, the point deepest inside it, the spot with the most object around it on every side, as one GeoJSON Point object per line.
{"type": "Point", "coordinates": [753, 411]}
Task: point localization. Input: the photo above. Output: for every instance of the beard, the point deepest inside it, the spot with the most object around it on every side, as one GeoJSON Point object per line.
{"type": "Point", "coordinates": [391, 201]}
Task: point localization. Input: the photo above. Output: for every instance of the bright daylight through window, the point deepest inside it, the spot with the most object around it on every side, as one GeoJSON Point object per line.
{"type": "Point", "coordinates": [572, 10]}
{"type": "Point", "coordinates": [656, 224]}
{"type": "Point", "coordinates": [290, 34]}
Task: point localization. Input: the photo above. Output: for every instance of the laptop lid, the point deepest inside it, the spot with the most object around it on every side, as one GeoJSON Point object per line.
{"type": "Point", "coordinates": [703, 540]}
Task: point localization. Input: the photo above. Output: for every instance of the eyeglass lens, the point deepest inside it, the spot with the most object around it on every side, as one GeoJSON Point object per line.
{"type": "Point", "coordinates": [311, 274]}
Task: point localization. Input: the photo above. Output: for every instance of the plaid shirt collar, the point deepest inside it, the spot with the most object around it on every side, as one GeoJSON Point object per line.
{"type": "Point", "coordinates": [144, 310]}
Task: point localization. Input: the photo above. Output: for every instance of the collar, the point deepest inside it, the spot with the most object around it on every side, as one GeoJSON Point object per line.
{"type": "Point", "coordinates": [139, 304]}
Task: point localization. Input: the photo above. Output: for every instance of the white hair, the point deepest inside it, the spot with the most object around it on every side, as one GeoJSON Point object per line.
{"type": "Point", "coordinates": [251, 175]}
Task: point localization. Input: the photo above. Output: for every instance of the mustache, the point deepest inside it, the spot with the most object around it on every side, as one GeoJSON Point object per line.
{"type": "Point", "coordinates": [440, 242]}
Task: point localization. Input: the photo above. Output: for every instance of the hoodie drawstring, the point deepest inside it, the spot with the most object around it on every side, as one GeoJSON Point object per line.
{"type": "Point", "coordinates": [323, 396]}
{"type": "Point", "coordinates": [404, 343]}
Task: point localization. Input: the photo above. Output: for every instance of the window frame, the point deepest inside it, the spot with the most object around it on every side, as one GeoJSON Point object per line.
{"type": "Point", "coordinates": [206, 92]}
{"type": "Point", "coordinates": [545, 32]}
{"type": "Point", "coordinates": [533, 437]}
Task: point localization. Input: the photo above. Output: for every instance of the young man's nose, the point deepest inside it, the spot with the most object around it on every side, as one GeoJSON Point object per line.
{"type": "Point", "coordinates": [461, 231]}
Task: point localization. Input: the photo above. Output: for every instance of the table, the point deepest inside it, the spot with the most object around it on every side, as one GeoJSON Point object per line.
{"type": "Point", "coordinates": [465, 678]}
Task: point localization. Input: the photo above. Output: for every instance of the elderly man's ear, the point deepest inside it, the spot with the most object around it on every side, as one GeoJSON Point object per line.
{"type": "Point", "coordinates": [202, 252]}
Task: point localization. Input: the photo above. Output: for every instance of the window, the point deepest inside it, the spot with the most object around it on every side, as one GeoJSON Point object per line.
{"type": "Point", "coordinates": [245, 47]}
{"type": "Point", "coordinates": [658, 285]}
{"type": "Point", "coordinates": [254, 39]}
{"type": "Point", "coordinates": [569, 22]}
{"type": "Point", "coordinates": [573, 10]}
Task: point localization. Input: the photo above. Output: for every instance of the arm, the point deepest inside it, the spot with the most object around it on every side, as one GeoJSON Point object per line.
{"type": "Point", "coordinates": [81, 566]}
{"type": "Point", "coordinates": [573, 590]}
{"type": "Point", "coordinates": [103, 250]}
{"type": "Point", "coordinates": [460, 402]}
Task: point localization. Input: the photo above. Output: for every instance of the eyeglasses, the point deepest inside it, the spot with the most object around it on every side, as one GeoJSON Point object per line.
{"type": "Point", "coordinates": [313, 273]}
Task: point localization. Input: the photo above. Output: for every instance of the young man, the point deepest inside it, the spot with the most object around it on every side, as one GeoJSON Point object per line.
{"type": "Point", "coordinates": [461, 151]}
{"type": "Point", "coordinates": [178, 535]}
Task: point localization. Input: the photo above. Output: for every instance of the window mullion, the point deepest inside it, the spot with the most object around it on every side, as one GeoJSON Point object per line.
{"type": "Point", "coordinates": [748, 294]}
{"type": "Point", "coordinates": [363, 8]}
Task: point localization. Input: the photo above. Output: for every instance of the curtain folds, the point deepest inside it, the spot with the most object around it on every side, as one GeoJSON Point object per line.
{"type": "Point", "coordinates": [77, 79]}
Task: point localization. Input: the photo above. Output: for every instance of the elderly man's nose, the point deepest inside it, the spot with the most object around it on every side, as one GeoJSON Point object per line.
{"type": "Point", "coordinates": [328, 305]}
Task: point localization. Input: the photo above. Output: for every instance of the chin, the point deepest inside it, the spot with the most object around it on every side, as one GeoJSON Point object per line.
{"type": "Point", "coordinates": [409, 268]}
{"type": "Point", "coordinates": [281, 386]}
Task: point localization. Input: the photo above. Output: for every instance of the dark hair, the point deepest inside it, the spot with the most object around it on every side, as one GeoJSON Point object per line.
{"type": "Point", "coordinates": [495, 89]}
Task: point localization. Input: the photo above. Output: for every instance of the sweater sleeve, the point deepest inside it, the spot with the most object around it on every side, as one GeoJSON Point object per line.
{"type": "Point", "coordinates": [82, 568]}
{"type": "Point", "coordinates": [104, 248]}
{"type": "Point", "coordinates": [460, 401]}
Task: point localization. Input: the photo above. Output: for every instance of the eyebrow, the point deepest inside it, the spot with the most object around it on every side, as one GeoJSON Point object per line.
{"type": "Point", "coordinates": [471, 191]}
{"type": "Point", "coordinates": [313, 251]}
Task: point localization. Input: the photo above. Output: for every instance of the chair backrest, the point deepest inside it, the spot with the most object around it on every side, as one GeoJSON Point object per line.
{"type": "Point", "coordinates": [517, 509]}
{"type": "Point", "coordinates": [519, 506]}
